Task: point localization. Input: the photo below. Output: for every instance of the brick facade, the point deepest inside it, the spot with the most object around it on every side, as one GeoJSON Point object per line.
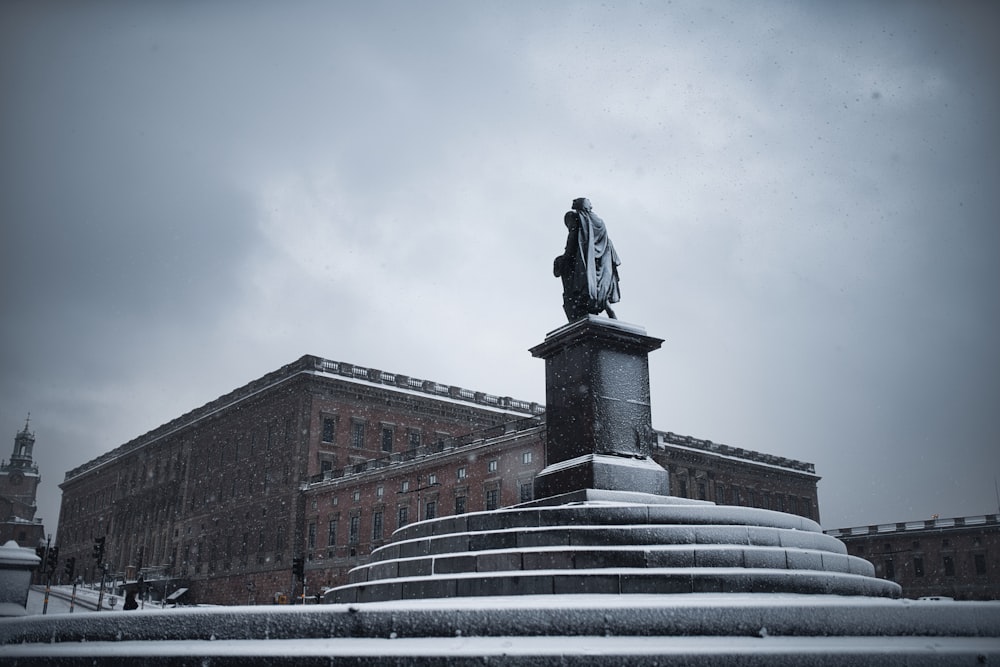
{"type": "Point", "coordinates": [957, 558]}
{"type": "Point", "coordinates": [324, 460]}
{"type": "Point", "coordinates": [213, 497]}
{"type": "Point", "coordinates": [347, 516]}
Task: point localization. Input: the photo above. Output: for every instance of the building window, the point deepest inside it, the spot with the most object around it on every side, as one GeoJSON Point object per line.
{"type": "Point", "coordinates": [311, 536]}
{"type": "Point", "coordinates": [414, 438]}
{"type": "Point", "coordinates": [702, 491]}
{"type": "Point", "coordinates": [949, 566]}
{"type": "Point", "coordinates": [492, 499]}
{"type": "Point", "coordinates": [377, 525]}
{"type": "Point", "coordinates": [331, 535]}
{"type": "Point", "coordinates": [356, 496]}
{"type": "Point", "coordinates": [918, 566]}
{"type": "Point", "coordinates": [379, 491]}
{"type": "Point", "coordinates": [387, 438]}
{"type": "Point", "coordinates": [355, 529]}
{"type": "Point", "coordinates": [325, 465]}
{"type": "Point", "coordinates": [357, 434]}
{"type": "Point", "coordinates": [526, 492]}
{"type": "Point", "coordinates": [430, 509]}
{"type": "Point", "coordinates": [405, 487]}
{"type": "Point", "coordinates": [461, 472]}
{"type": "Point", "coordinates": [432, 479]}
{"type": "Point", "coordinates": [403, 516]}
{"type": "Point", "coordinates": [491, 466]}
{"type": "Point", "coordinates": [459, 504]}
{"type": "Point", "coordinates": [526, 457]}
{"type": "Point", "coordinates": [793, 506]}
{"type": "Point", "coordinates": [329, 429]}
{"type": "Point", "coordinates": [890, 569]}
{"type": "Point", "coordinates": [980, 561]}
{"type": "Point", "coordinates": [682, 489]}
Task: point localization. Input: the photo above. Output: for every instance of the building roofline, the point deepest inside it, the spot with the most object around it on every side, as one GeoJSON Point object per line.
{"type": "Point", "coordinates": [318, 366]}
{"type": "Point", "coordinates": [885, 529]}
{"type": "Point", "coordinates": [313, 365]}
{"type": "Point", "coordinates": [734, 453]}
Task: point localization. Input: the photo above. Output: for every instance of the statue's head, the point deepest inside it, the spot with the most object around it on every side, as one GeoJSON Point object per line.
{"type": "Point", "coordinates": [581, 204]}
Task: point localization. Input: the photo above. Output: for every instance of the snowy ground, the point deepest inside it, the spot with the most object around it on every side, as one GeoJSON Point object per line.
{"type": "Point", "coordinates": [86, 601]}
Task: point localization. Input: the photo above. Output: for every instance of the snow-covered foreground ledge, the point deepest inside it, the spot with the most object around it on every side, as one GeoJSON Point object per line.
{"type": "Point", "coordinates": [602, 651]}
{"type": "Point", "coordinates": [695, 629]}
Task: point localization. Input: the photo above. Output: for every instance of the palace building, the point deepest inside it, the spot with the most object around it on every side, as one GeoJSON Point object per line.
{"type": "Point", "coordinates": [19, 480]}
{"type": "Point", "coordinates": [955, 558]}
{"type": "Point", "coordinates": [321, 461]}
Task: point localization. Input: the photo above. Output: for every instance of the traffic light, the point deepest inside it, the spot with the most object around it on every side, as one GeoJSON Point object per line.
{"type": "Point", "coordinates": [298, 567]}
{"type": "Point", "coordinates": [53, 559]}
{"type": "Point", "coordinates": [70, 567]}
{"type": "Point", "coordinates": [99, 549]}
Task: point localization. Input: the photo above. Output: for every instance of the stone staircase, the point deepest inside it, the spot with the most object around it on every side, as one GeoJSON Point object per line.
{"type": "Point", "coordinates": [611, 542]}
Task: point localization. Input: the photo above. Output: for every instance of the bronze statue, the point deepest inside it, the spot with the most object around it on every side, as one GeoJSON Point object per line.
{"type": "Point", "coordinates": [589, 267]}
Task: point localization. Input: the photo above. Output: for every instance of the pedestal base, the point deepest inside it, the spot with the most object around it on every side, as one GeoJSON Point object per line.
{"type": "Point", "coordinates": [601, 471]}
{"type": "Point", "coordinates": [597, 410]}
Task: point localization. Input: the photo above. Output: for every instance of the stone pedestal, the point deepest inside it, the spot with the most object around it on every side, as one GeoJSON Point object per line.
{"type": "Point", "coordinates": [598, 418]}
{"type": "Point", "coordinates": [16, 565]}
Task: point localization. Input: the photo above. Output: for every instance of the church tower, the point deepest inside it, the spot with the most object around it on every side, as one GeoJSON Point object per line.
{"type": "Point", "coordinates": [19, 480]}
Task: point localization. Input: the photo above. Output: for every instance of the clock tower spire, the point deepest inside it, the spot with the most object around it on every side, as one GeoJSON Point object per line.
{"type": "Point", "coordinates": [19, 480]}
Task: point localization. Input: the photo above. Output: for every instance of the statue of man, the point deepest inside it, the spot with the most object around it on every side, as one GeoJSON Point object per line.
{"type": "Point", "coordinates": [589, 267]}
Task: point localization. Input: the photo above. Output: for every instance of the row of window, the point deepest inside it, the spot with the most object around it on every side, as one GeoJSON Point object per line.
{"type": "Point", "coordinates": [491, 500]}
{"type": "Point", "coordinates": [947, 566]}
{"type": "Point", "coordinates": [461, 474]}
{"type": "Point", "coordinates": [359, 428]}
{"type": "Point", "coordinates": [172, 465]}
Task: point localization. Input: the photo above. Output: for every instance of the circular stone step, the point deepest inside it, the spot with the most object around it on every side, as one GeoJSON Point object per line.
{"type": "Point", "coordinates": [611, 547]}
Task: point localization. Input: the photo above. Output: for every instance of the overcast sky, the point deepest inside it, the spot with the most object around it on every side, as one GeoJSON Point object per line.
{"type": "Point", "coordinates": [804, 196]}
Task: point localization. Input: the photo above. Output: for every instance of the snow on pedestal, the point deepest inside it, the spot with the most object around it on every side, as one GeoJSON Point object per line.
{"type": "Point", "coordinates": [16, 565]}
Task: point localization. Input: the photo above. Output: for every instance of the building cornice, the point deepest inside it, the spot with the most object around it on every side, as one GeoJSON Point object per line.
{"type": "Point", "coordinates": [908, 527]}
{"type": "Point", "coordinates": [310, 365]}
{"type": "Point", "coordinates": [667, 439]}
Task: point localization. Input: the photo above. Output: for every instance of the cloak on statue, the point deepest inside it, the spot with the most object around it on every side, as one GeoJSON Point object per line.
{"type": "Point", "coordinates": [589, 266]}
